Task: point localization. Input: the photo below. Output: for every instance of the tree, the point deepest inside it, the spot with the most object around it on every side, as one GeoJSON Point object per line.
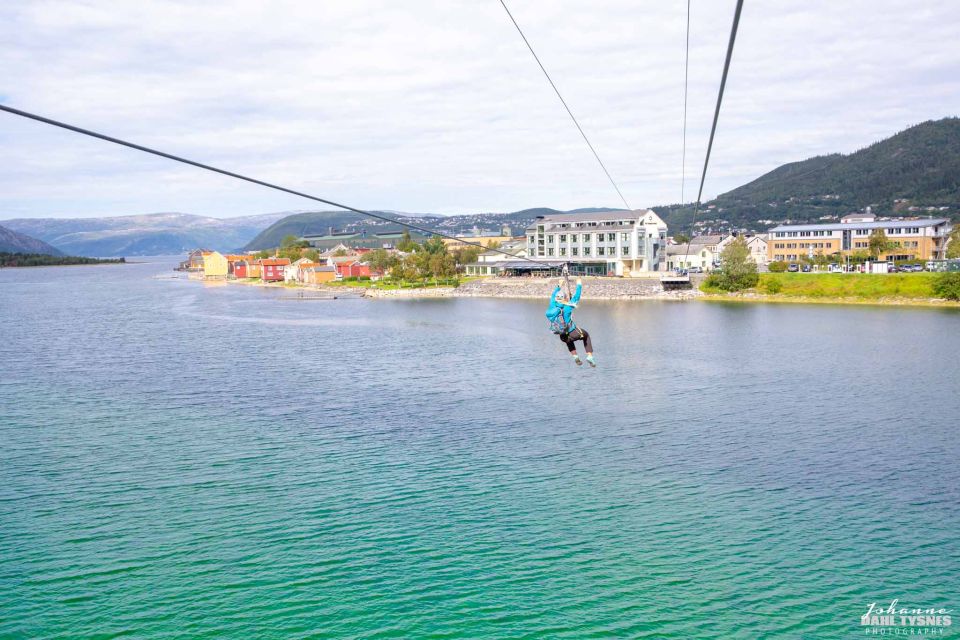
{"type": "Point", "coordinates": [289, 240]}
{"type": "Point", "coordinates": [879, 243]}
{"type": "Point", "coordinates": [442, 265]}
{"type": "Point", "coordinates": [467, 255]}
{"type": "Point", "coordinates": [739, 271]}
{"type": "Point", "coordinates": [434, 246]}
{"type": "Point", "coordinates": [263, 255]}
{"type": "Point", "coordinates": [953, 246]}
{"type": "Point", "coordinates": [313, 255]}
{"type": "Point", "coordinates": [681, 238]}
{"type": "Point", "coordinates": [406, 243]}
{"type": "Point", "coordinates": [381, 260]}
{"type": "Point", "coordinates": [339, 253]}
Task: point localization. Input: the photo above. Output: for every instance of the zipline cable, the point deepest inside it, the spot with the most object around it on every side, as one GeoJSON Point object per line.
{"type": "Point", "coordinates": [686, 84]}
{"type": "Point", "coordinates": [716, 114]}
{"type": "Point", "coordinates": [565, 106]}
{"type": "Point", "coordinates": [262, 183]}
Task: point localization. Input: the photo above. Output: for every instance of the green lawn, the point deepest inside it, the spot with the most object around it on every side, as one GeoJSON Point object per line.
{"type": "Point", "coordinates": [862, 286]}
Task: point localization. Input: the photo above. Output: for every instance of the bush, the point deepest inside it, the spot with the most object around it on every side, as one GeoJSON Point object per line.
{"type": "Point", "coordinates": [947, 285]}
{"type": "Point", "coordinates": [712, 281]}
{"type": "Point", "coordinates": [774, 286]}
{"type": "Point", "coordinates": [777, 266]}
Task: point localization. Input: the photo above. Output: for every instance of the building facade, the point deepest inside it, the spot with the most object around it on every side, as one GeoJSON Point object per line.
{"type": "Point", "coordinates": [622, 243]}
{"type": "Point", "coordinates": [910, 239]}
{"type": "Point", "coordinates": [694, 256]}
{"type": "Point", "coordinates": [214, 265]}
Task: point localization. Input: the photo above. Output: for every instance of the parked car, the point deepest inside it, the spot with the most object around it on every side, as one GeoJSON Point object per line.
{"type": "Point", "coordinates": [835, 268]}
{"type": "Point", "coordinates": [805, 268]}
{"type": "Point", "coordinates": [696, 269]}
{"type": "Point", "coordinates": [892, 268]}
{"type": "Point", "coordinates": [793, 267]}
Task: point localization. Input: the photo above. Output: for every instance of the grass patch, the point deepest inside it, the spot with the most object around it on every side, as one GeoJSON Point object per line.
{"type": "Point", "coordinates": [860, 286]}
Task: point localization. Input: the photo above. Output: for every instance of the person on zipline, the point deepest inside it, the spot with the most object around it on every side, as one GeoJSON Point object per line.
{"type": "Point", "coordinates": [560, 315]}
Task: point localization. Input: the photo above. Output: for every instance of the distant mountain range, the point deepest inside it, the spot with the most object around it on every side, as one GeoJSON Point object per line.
{"type": "Point", "coordinates": [915, 172]}
{"type": "Point", "coordinates": [143, 235]}
{"type": "Point", "coordinates": [14, 242]}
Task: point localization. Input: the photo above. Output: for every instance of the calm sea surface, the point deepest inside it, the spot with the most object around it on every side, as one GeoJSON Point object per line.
{"type": "Point", "coordinates": [190, 460]}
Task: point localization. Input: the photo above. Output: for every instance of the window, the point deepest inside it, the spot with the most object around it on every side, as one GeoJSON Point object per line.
{"type": "Point", "coordinates": [586, 251]}
{"type": "Point", "coordinates": [539, 228]}
{"type": "Point", "coordinates": [550, 251]}
{"type": "Point", "coordinates": [573, 237]}
{"type": "Point", "coordinates": [573, 251]}
{"type": "Point", "coordinates": [624, 237]}
{"type": "Point", "coordinates": [531, 239]}
{"type": "Point", "coordinates": [600, 251]}
{"type": "Point", "coordinates": [563, 251]}
{"type": "Point", "coordinates": [611, 237]}
{"type": "Point", "coordinates": [624, 250]}
{"type": "Point", "coordinates": [563, 237]}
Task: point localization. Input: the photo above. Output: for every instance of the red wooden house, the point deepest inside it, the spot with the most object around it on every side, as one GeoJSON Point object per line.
{"type": "Point", "coordinates": [272, 269]}
{"type": "Point", "coordinates": [240, 269]}
{"type": "Point", "coordinates": [353, 270]}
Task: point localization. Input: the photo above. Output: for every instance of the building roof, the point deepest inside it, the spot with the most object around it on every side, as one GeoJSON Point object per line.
{"type": "Point", "coordinates": [710, 239]}
{"type": "Point", "coordinates": [840, 226]}
{"type": "Point", "coordinates": [681, 249]}
{"type": "Point", "coordinates": [275, 262]}
{"type": "Point", "coordinates": [589, 217]}
{"type": "Point", "coordinates": [321, 269]}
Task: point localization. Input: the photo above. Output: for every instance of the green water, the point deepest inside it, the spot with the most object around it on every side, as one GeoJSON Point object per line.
{"type": "Point", "coordinates": [190, 461]}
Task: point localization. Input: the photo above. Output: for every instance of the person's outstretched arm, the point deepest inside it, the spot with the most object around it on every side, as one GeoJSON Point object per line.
{"type": "Point", "coordinates": [576, 295]}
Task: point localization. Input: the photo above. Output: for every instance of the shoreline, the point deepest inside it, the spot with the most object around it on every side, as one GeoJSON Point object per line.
{"type": "Point", "coordinates": [636, 290]}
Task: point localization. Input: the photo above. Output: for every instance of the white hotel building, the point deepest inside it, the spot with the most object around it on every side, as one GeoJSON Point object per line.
{"type": "Point", "coordinates": [623, 243]}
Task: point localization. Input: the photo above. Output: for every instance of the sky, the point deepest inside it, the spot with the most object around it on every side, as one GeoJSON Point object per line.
{"type": "Point", "coordinates": [430, 106]}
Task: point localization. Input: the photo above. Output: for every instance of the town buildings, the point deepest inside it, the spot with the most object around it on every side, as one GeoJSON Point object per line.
{"type": "Point", "coordinates": [917, 239]}
{"type": "Point", "coordinates": [622, 243]}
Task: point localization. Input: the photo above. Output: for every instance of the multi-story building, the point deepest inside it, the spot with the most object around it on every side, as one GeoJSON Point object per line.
{"type": "Point", "coordinates": [623, 243]}
{"type": "Point", "coordinates": [918, 239]}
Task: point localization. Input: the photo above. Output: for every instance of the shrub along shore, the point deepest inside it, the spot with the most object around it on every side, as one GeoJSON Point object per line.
{"type": "Point", "coordinates": [927, 289]}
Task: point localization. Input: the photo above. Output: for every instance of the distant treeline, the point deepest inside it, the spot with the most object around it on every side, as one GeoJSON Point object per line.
{"type": "Point", "coordinates": [43, 260]}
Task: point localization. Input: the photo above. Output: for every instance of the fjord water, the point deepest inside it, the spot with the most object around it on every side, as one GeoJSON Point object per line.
{"type": "Point", "coordinates": [191, 460]}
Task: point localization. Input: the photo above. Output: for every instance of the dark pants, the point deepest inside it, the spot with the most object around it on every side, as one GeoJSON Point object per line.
{"type": "Point", "coordinates": [570, 339]}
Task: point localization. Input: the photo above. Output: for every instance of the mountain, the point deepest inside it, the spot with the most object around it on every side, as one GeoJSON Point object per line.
{"type": "Point", "coordinates": [141, 235]}
{"type": "Point", "coordinates": [915, 172]}
{"type": "Point", "coordinates": [14, 242]}
{"type": "Point", "coordinates": [323, 222]}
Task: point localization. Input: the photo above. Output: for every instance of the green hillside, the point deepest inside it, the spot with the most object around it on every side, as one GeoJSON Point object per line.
{"type": "Point", "coordinates": [918, 167]}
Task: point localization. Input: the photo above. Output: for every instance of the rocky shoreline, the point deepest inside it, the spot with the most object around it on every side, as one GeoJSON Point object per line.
{"type": "Point", "coordinates": [537, 288]}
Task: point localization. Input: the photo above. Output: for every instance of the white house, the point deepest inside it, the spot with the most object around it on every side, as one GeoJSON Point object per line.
{"type": "Point", "coordinates": [680, 256]}
{"type": "Point", "coordinates": [623, 243]}
{"type": "Point", "coordinates": [291, 272]}
{"type": "Point", "coordinates": [758, 249]}
{"type": "Point", "coordinates": [489, 262]}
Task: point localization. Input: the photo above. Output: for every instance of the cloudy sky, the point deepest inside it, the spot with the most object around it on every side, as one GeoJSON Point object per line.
{"type": "Point", "coordinates": [437, 106]}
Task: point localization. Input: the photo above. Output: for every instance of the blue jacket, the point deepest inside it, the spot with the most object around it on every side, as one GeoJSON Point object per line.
{"type": "Point", "coordinates": [565, 308]}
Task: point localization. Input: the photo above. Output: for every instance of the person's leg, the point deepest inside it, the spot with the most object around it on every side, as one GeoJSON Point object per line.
{"type": "Point", "coordinates": [588, 346]}
{"type": "Point", "coordinates": [571, 346]}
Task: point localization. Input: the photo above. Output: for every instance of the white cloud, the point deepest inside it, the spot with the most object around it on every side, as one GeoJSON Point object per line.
{"type": "Point", "coordinates": [427, 106]}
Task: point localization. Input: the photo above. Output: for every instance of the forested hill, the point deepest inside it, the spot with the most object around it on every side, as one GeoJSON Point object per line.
{"type": "Point", "coordinates": [917, 168]}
